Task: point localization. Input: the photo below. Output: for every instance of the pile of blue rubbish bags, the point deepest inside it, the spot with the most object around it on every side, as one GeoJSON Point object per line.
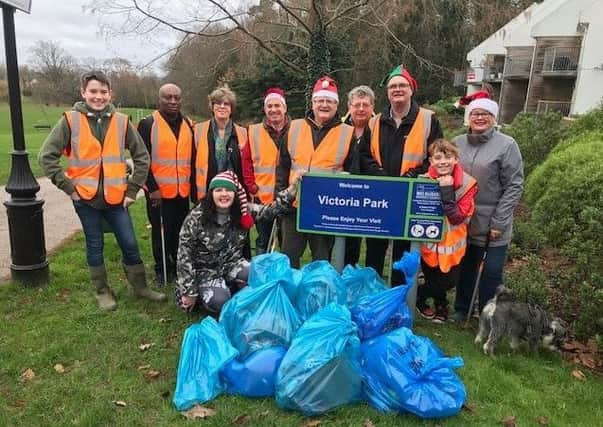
{"type": "Point", "coordinates": [317, 340]}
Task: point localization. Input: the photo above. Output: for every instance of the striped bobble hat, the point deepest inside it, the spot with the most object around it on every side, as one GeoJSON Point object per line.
{"type": "Point", "coordinates": [228, 180]}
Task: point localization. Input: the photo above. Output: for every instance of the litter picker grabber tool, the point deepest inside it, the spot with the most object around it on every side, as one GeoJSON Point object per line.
{"type": "Point", "coordinates": [163, 254]}
{"type": "Point", "coordinates": [480, 269]}
{"type": "Point", "coordinates": [272, 239]}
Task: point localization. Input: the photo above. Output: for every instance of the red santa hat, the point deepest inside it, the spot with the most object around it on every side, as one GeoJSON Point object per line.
{"type": "Point", "coordinates": [228, 180]}
{"type": "Point", "coordinates": [325, 87]}
{"type": "Point", "coordinates": [275, 93]}
{"type": "Point", "coordinates": [466, 100]}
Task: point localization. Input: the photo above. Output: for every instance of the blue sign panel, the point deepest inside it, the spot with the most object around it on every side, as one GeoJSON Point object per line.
{"type": "Point", "coordinates": [384, 207]}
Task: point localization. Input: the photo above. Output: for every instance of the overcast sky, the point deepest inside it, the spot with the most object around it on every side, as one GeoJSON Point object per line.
{"type": "Point", "coordinates": [78, 32]}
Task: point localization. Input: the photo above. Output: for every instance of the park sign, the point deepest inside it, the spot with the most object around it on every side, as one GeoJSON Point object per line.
{"type": "Point", "coordinates": [24, 5]}
{"type": "Point", "coordinates": [370, 206]}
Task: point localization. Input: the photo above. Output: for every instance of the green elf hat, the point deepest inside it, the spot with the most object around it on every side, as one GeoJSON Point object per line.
{"type": "Point", "coordinates": [401, 71]}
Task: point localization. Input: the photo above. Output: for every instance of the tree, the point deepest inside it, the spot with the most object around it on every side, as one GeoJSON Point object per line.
{"type": "Point", "coordinates": [56, 73]}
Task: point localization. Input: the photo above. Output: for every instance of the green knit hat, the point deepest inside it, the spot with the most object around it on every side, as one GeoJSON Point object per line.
{"type": "Point", "coordinates": [223, 180]}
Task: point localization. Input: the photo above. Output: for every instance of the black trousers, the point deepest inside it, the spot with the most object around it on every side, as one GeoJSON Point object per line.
{"type": "Point", "coordinates": [294, 243]}
{"type": "Point", "coordinates": [174, 212]}
{"type": "Point", "coordinates": [437, 284]}
{"type": "Point", "coordinates": [375, 257]}
{"type": "Point", "coordinates": [352, 250]}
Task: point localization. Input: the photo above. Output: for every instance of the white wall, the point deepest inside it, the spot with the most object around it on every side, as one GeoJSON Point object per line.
{"type": "Point", "coordinates": [589, 84]}
{"type": "Point", "coordinates": [562, 21]}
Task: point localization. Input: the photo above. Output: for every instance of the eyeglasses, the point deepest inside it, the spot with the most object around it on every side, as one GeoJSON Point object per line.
{"type": "Point", "coordinates": [359, 105]}
{"type": "Point", "coordinates": [395, 86]}
{"type": "Point", "coordinates": [327, 101]}
{"type": "Point", "coordinates": [222, 103]}
{"type": "Point", "coordinates": [479, 115]}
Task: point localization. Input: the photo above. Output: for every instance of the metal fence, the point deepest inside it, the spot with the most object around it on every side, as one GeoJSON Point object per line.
{"type": "Point", "coordinates": [561, 106]}
{"type": "Point", "coordinates": [560, 59]}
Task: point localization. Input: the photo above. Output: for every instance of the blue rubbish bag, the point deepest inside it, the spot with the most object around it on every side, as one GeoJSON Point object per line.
{"type": "Point", "coordinates": [205, 351]}
{"type": "Point", "coordinates": [261, 317]}
{"type": "Point", "coordinates": [408, 265]}
{"type": "Point", "coordinates": [359, 282]}
{"type": "Point", "coordinates": [256, 375]}
{"type": "Point", "coordinates": [320, 285]}
{"type": "Point", "coordinates": [321, 369]}
{"type": "Point", "coordinates": [270, 267]}
{"type": "Point", "coordinates": [383, 312]}
{"type": "Point", "coordinates": [403, 372]}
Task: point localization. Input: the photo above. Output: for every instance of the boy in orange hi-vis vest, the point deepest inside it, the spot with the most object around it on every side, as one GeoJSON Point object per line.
{"type": "Point", "coordinates": [93, 137]}
{"type": "Point", "coordinates": [440, 261]}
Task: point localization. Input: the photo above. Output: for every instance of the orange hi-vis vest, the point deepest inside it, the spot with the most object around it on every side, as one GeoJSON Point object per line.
{"type": "Point", "coordinates": [87, 157]}
{"type": "Point", "coordinates": [450, 251]}
{"type": "Point", "coordinates": [171, 157]}
{"type": "Point", "coordinates": [328, 157]}
{"type": "Point", "coordinates": [415, 145]}
{"type": "Point", "coordinates": [264, 154]}
{"type": "Point", "coordinates": [202, 158]}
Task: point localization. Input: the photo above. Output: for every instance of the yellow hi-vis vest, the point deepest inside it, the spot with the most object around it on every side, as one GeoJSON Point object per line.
{"type": "Point", "coordinates": [87, 157]}
{"type": "Point", "coordinates": [328, 157]}
{"type": "Point", "coordinates": [264, 154]}
{"type": "Point", "coordinates": [202, 159]}
{"type": "Point", "coordinates": [450, 251]}
{"type": "Point", "coordinates": [171, 157]}
{"type": "Point", "coordinates": [415, 146]}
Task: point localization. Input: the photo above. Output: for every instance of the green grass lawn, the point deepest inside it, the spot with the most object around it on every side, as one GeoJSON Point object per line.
{"type": "Point", "coordinates": [60, 324]}
{"type": "Point", "coordinates": [33, 114]}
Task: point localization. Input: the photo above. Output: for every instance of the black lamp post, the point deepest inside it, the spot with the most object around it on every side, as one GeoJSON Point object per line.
{"type": "Point", "coordinates": [29, 264]}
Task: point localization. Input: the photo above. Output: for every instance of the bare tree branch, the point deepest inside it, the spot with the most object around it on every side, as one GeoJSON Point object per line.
{"type": "Point", "coordinates": [297, 18]}
{"type": "Point", "coordinates": [345, 11]}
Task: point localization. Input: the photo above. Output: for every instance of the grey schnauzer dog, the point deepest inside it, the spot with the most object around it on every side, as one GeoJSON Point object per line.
{"type": "Point", "coordinates": [503, 315]}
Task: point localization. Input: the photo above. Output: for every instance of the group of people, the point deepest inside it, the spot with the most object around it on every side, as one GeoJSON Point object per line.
{"type": "Point", "coordinates": [232, 174]}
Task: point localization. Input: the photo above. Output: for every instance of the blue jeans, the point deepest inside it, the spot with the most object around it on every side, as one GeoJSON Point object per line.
{"type": "Point", "coordinates": [121, 224]}
{"type": "Point", "coordinates": [492, 276]}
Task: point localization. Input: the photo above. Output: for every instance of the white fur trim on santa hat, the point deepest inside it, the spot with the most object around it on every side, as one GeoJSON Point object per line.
{"type": "Point", "coordinates": [273, 95]}
{"type": "Point", "coordinates": [484, 104]}
{"type": "Point", "coordinates": [326, 94]}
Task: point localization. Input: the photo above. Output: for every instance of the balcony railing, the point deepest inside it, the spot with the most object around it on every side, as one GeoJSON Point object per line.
{"type": "Point", "coordinates": [517, 68]}
{"type": "Point", "coordinates": [563, 107]}
{"type": "Point", "coordinates": [561, 60]}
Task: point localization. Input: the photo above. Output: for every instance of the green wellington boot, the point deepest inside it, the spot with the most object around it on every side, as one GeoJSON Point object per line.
{"type": "Point", "coordinates": [104, 295]}
{"type": "Point", "coordinates": [138, 280]}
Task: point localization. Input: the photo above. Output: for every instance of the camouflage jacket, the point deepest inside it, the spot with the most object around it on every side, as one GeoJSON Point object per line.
{"type": "Point", "coordinates": [210, 252]}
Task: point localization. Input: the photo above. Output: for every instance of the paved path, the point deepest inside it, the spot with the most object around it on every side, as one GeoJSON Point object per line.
{"type": "Point", "coordinates": [60, 221]}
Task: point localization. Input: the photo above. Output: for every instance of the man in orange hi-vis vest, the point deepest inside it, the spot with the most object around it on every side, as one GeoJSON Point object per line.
{"type": "Point", "coordinates": [399, 140]}
{"type": "Point", "coordinates": [320, 142]}
{"type": "Point", "coordinates": [94, 137]}
{"type": "Point", "coordinates": [265, 142]}
{"type": "Point", "coordinates": [168, 136]}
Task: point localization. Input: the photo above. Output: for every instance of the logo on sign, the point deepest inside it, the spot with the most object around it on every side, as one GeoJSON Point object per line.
{"type": "Point", "coordinates": [417, 230]}
{"type": "Point", "coordinates": [432, 231]}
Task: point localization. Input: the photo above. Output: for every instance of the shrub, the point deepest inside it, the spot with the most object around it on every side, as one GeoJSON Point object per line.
{"type": "Point", "coordinates": [536, 135]}
{"type": "Point", "coordinates": [528, 282]}
{"type": "Point", "coordinates": [591, 121]}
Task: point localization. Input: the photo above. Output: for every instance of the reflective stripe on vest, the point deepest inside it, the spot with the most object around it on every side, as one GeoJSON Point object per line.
{"type": "Point", "coordinates": [450, 251]}
{"type": "Point", "coordinates": [264, 154]}
{"type": "Point", "coordinates": [328, 157]}
{"type": "Point", "coordinates": [171, 157]}
{"type": "Point", "coordinates": [415, 144]}
{"type": "Point", "coordinates": [88, 156]}
{"type": "Point", "coordinates": [202, 158]}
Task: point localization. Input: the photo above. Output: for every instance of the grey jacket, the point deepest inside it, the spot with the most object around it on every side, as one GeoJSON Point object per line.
{"type": "Point", "coordinates": [494, 160]}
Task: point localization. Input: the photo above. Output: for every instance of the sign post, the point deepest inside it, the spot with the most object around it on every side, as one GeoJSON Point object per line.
{"type": "Point", "coordinates": [29, 264]}
{"type": "Point", "coordinates": [370, 206]}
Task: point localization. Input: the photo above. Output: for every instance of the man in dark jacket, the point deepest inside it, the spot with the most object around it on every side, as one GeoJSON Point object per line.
{"type": "Point", "coordinates": [168, 136]}
{"type": "Point", "coordinates": [313, 144]}
{"type": "Point", "coordinates": [399, 140]}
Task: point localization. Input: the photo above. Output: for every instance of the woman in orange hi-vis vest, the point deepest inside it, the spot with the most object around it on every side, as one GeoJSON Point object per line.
{"type": "Point", "coordinates": [440, 261]}
{"type": "Point", "coordinates": [94, 137]}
